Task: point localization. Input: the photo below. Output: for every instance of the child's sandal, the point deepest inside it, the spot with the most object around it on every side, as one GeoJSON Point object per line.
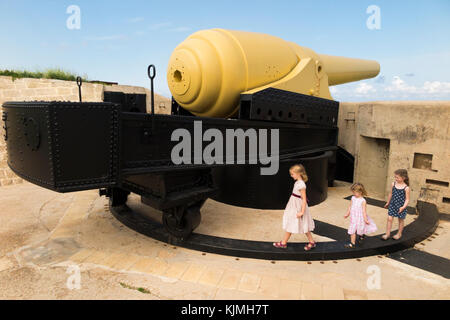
{"type": "Point", "coordinates": [310, 246]}
{"type": "Point", "coordinates": [279, 245]}
{"type": "Point", "coordinates": [350, 245]}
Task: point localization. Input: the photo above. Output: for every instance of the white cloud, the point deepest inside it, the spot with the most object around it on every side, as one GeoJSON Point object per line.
{"type": "Point", "coordinates": [398, 85]}
{"type": "Point", "coordinates": [429, 88]}
{"type": "Point", "coordinates": [433, 87]}
{"type": "Point", "coordinates": [396, 89]}
{"type": "Point", "coordinates": [364, 88]}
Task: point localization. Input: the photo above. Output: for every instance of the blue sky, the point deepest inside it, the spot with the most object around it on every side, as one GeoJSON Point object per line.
{"type": "Point", "coordinates": [118, 39]}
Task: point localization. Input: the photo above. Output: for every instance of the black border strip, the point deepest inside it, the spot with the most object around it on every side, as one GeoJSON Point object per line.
{"type": "Point", "coordinates": [424, 260]}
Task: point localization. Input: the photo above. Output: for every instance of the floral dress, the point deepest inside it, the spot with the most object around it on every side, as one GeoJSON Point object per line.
{"type": "Point", "coordinates": [357, 223]}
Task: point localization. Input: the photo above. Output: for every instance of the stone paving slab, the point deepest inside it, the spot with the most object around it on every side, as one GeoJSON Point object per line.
{"type": "Point", "coordinates": [176, 270]}
{"type": "Point", "coordinates": [249, 282]}
{"type": "Point", "coordinates": [230, 279]}
{"type": "Point", "coordinates": [311, 291]}
{"type": "Point", "coordinates": [143, 265]}
{"type": "Point", "coordinates": [126, 262]}
{"type": "Point", "coordinates": [290, 289]}
{"type": "Point", "coordinates": [193, 273]}
{"type": "Point", "coordinates": [211, 276]}
{"type": "Point", "coordinates": [332, 292]}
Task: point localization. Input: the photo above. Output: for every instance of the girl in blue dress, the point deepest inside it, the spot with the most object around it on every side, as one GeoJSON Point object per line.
{"type": "Point", "coordinates": [397, 201]}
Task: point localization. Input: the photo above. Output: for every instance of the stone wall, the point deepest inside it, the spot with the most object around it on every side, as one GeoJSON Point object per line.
{"type": "Point", "coordinates": [385, 136]}
{"type": "Point", "coordinates": [58, 90]}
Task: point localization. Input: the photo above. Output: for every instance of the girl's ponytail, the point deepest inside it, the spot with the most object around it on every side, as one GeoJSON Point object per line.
{"type": "Point", "coordinates": [404, 174]}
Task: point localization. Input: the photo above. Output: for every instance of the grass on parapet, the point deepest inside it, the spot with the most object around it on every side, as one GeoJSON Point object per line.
{"type": "Point", "coordinates": [56, 74]}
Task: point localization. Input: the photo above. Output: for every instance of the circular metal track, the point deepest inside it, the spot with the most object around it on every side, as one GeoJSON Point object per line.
{"type": "Point", "coordinates": [414, 232]}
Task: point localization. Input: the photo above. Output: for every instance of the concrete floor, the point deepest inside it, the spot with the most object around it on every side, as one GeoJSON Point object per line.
{"type": "Point", "coordinates": [47, 237]}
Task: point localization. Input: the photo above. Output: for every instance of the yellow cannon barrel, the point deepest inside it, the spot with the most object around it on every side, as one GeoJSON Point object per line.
{"type": "Point", "coordinates": [209, 70]}
{"type": "Point", "coordinates": [342, 70]}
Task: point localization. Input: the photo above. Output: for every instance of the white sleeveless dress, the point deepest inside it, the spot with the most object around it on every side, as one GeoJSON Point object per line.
{"type": "Point", "coordinates": [291, 223]}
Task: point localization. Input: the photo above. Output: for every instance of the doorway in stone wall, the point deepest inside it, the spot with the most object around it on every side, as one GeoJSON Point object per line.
{"type": "Point", "coordinates": [373, 164]}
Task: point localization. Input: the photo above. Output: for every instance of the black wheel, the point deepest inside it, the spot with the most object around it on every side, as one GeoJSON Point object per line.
{"type": "Point", "coordinates": [180, 222]}
{"type": "Point", "coordinates": [117, 197]}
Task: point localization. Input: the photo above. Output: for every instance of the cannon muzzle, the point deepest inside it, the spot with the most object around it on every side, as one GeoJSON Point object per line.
{"type": "Point", "coordinates": [342, 69]}
{"type": "Point", "coordinates": [209, 70]}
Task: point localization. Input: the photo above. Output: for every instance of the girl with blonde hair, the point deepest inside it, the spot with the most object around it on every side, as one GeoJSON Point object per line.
{"type": "Point", "coordinates": [360, 222]}
{"type": "Point", "coordinates": [296, 217]}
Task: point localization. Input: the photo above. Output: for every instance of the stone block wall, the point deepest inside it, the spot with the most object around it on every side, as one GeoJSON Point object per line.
{"type": "Point", "coordinates": [27, 89]}
{"type": "Point", "coordinates": [389, 135]}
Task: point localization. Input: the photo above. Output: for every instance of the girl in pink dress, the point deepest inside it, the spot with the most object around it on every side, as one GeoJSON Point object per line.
{"type": "Point", "coordinates": [360, 222]}
{"type": "Point", "coordinates": [296, 218]}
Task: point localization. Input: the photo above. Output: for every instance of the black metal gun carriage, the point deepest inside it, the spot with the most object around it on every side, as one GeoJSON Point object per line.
{"type": "Point", "coordinates": [117, 147]}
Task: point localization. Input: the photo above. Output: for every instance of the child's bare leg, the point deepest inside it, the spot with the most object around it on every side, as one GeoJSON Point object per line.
{"type": "Point", "coordinates": [353, 238]}
{"type": "Point", "coordinates": [388, 227]}
{"type": "Point", "coordinates": [310, 238]}
{"type": "Point", "coordinates": [401, 224]}
{"type": "Point", "coordinates": [287, 235]}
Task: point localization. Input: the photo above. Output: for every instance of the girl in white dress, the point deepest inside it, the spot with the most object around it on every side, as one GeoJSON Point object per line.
{"type": "Point", "coordinates": [296, 218]}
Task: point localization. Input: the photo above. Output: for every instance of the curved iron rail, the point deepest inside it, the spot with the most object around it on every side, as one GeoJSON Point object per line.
{"type": "Point", "coordinates": [417, 231]}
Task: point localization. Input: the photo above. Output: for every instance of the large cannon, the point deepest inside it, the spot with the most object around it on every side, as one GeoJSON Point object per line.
{"type": "Point", "coordinates": [209, 71]}
{"type": "Point", "coordinates": [221, 81]}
